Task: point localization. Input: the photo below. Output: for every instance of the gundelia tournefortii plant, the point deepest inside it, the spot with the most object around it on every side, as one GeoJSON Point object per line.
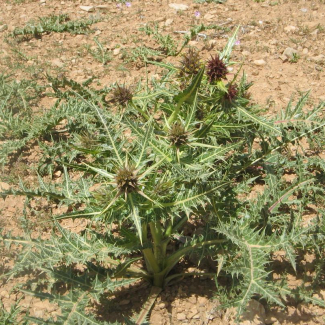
{"type": "Point", "coordinates": [186, 150]}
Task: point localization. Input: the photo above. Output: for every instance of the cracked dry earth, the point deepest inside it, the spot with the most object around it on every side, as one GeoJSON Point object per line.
{"type": "Point", "coordinates": [282, 49]}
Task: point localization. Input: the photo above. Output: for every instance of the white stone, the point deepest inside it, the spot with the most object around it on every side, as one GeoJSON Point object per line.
{"type": "Point", "coordinates": [4, 186]}
{"type": "Point", "coordinates": [58, 63]}
{"type": "Point", "coordinates": [290, 29]}
{"type": "Point", "coordinates": [87, 8]}
{"type": "Point", "coordinates": [202, 301]}
{"type": "Point", "coordinates": [192, 312]}
{"type": "Point", "coordinates": [212, 43]}
{"type": "Point", "coordinates": [116, 51]}
{"type": "Point", "coordinates": [181, 316]}
{"type": "Point", "coordinates": [168, 22]}
{"type": "Point", "coordinates": [57, 174]}
{"type": "Point", "coordinates": [159, 19]}
{"type": "Point", "coordinates": [4, 294]}
{"type": "Point", "coordinates": [283, 57]}
{"type": "Point", "coordinates": [38, 313]}
{"type": "Point", "coordinates": [162, 305]}
{"type": "Point", "coordinates": [178, 6]}
{"type": "Point", "coordinates": [289, 52]}
{"type": "Point", "coordinates": [315, 32]}
{"type": "Point", "coordinates": [318, 59]}
{"type": "Point", "coordinates": [193, 43]}
{"type": "Point", "coordinates": [259, 62]}
{"type": "Point", "coordinates": [209, 17]}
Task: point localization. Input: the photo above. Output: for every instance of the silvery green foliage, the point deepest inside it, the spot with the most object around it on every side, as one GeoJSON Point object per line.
{"type": "Point", "coordinates": [171, 154]}
{"type": "Point", "coordinates": [53, 23]}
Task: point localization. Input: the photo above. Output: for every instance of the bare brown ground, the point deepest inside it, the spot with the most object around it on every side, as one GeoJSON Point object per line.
{"type": "Point", "coordinates": [266, 30]}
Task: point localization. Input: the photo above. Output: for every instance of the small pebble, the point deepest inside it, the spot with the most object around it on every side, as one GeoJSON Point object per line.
{"type": "Point", "coordinates": [168, 22]}
{"type": "Point", "coordinates": [289, 52]}
{"type": "Point", "coordinates": [116, 51]}
{"type": "Point", "coordinates": [209, 17]}
{"type": "Point", "coordinates": [178, 6]}
{"type": "Point", "coordinates": [87, 8]}
{"type": "Point", "coordinates": [259, 62]}
{"type": "Point", "coordinates": [162, 305]}
{"type": "Point", "coordinates": [4, 294]}
{"type": "Point", "coordinates": [245, 53]}
{"type": "Point", "coordinates": [290, 29]}
{"type": "Point", "coordinates": [181, 316]}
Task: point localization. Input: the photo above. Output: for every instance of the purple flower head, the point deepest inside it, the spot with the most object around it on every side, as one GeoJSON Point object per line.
{"type": "Point", "coordinates": [197, 14]}
{"type": "Point", "coordinates": [119, 6]}
{"type": "Point", "coordinates": [237, 42]}
{"type": "Point", "coordinates": [128, 4]}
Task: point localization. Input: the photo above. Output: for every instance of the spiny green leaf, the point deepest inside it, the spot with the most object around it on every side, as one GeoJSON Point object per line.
{"type": "Point", "coordinates": [258, 121]}
{"type": "Point", "coordinates": [189, 94]}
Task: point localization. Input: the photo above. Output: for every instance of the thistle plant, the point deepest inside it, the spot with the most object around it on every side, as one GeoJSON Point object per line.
{"type": "Point", "coordinates": [146, 178]}
{"type": "Point", "coordinates": [100, 53]}
{"type": "Point", "coordinates": [58, 24]}
{"type": "Point", "coordinates": [121, 95]}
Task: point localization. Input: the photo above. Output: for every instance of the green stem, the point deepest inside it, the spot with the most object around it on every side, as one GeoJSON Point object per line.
{"type": "Point", "coordinates": [158, 276]}
{"type": "Point", "coordinates": [144, 227]}
{"type": "Point", "coordinates": [179, 224]}
{"type": "Point", "coordinates": [178, 156]}
{"type": "Point", "coordinates": [174, 115]}
{"type": "Point", "coordinates": [151, 260]}
{"type": "Point", "coordinates": [156, 232]}
{"type": "Point", "coordinates": [145, 115]}
{"type": "Point", "coordinates": [169, 229]}
{"type": "Point", "coordinates": [173, 259]}
{"type": "Point", "coordinates": [159, 247]}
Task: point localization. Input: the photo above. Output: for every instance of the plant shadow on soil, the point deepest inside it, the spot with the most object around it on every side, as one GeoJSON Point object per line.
{"type": "Point", "coordinates": [129, 302]}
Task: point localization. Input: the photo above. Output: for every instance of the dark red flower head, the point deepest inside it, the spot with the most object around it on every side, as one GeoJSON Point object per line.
{"type": "Point", "coordinates": [216, 69]}
{"type": "Point", "coordinates": [122, 95]}
{"type": "Point", "coordinates": [232, 92]}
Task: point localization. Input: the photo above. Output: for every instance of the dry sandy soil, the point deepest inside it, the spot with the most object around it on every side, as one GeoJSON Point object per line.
{"type": "Point", "coordinates": [267, 29]}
